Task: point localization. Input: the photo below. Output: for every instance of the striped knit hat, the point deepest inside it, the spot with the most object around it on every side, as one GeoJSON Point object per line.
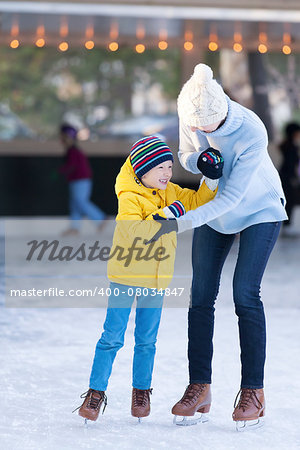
{"type": "Point", "coordinates": [147, 153]}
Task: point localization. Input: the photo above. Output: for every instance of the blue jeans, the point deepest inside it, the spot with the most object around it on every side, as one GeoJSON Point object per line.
{"type": "Point", "coordinates": [80, 204]}
{"type": "Point", "coordinates": [147, 319]}
{"type": "Point", "coordinates": [210, 250]}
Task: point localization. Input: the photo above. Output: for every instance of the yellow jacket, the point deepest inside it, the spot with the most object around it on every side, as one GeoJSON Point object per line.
{"type": "Point", "coordinates": [131, 261]}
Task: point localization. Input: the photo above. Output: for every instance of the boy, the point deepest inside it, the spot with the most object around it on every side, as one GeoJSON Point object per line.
{"type": "Point", "coordinates": [144, 190]}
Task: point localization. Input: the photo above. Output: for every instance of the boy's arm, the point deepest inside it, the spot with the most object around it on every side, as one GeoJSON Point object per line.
{"type": "Point", "coordinates": [131, 211]}
{"type": "Point", "coordinates": [192, 199]}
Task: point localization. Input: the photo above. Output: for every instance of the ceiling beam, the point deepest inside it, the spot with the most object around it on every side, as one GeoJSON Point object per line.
{"type": "Point", "coordinates": [152, 11]}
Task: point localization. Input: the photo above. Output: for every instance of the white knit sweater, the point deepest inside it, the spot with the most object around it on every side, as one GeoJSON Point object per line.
{"type": "Point", "coordinates": [250, 189]}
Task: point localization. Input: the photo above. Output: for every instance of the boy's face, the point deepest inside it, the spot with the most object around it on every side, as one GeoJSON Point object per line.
{"type": "Point", "coordinates": [159, 176]}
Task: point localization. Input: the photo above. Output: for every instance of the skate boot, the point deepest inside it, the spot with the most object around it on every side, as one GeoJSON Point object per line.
{"type": "Point", "coordinates": [91, 406]}
{"type": "Point", "coordinates": [140, 405]}
{"type": "Point", "coordinates": [197, 398]}
{"type": "Point", "coordinates": [249, 410]}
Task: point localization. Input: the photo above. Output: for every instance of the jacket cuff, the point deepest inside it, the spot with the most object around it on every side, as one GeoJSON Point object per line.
{"type": "Point", "coordinates": [168, 213]}
{"type": "Point", "coordinates": [211, 184]}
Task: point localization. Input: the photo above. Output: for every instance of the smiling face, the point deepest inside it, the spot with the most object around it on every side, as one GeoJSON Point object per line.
{"type": "Point", "coordinates": [159, 176]}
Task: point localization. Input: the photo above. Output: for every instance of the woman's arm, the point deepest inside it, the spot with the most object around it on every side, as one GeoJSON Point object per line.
{"type": "Point", "coordinates": [190, 148]}
{"type": "Point", "coordinates": [235, 189]}
{"type": "Point", "coordinates": [193, 199]}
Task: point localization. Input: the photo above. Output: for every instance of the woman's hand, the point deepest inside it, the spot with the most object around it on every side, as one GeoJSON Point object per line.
{"type": "Point", "coordinates": [166, 226]}
{"type": "Point", "coordinates": [211, 163]}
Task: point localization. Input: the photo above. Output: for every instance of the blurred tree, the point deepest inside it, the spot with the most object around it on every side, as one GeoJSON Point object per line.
{"type": "Point", "coordinates": [284, 71]}
{"type": "Point", "coordinates": [41, 85]}
{"type": "Point", "coordinates": [259, 81]}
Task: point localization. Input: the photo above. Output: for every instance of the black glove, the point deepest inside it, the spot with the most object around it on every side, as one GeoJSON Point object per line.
{"type": "Point", "coordinates": [166, 226]}
{"type": "Point", "coordinates": [211, 163]}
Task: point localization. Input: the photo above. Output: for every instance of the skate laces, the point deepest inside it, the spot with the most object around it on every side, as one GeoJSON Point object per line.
{"type": "Point", "coordinates": [192, 392]}
{"type": "Point", "coordinates": [141, 397]}
{"type": "Point", "coordinates": [246, 397]}
{"type": "Point", "coordinates": [93, 401]}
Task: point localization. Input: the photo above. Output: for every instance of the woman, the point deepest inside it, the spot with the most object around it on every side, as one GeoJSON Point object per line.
{"type": "Point", "coordinates": [250, 201]}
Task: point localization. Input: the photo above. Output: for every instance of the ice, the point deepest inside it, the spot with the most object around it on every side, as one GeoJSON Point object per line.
{"type": "Point", "coordinates": [46, 356]}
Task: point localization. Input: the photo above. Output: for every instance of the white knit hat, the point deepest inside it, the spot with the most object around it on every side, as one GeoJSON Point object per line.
{"type": "Point", "coordinates": [202, 100]}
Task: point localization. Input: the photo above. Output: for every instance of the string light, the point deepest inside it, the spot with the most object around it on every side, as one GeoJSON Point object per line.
{"type": "Point", "coordinates": [89, 35]}
{"type": "Point", "coordinates": [286, 47]}
{"type": "Point", "coordinates": [89, 45]}
{"type": "Point", "coordinates": [14, 43]}
{"type": "Point", "coordinates": [40, 36]}
{"type": "Point", "coordinates": [140, 48]}
{"type": "Point", "coordinates": [213, 40]}
{"type": "Point", "coordinates": [140, 34]}
{"type": "Point", "coordinates": [40, 42]}
{"type": "Point", "coordinates": [14, 32]}
{"type": "Point", "coordinates": [63, 46]}
{"type": "Point", "coordinates": [163, 45]}
{"type": "Point", "coordinates": [63, 32]}
{"type": "Point", "coordinates": [163, 36]}
{"type": "Point", "coordinates": [263, 41]}
{"type": "Point", "coordinates": [113, 46]}
{"type": "Point", "coordinates": [188, 41]}
{"type": "Point", "coordinates": [238, 39]}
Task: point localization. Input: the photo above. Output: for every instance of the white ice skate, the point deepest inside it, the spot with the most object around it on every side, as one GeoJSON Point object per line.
{"type": "Point", "coordinates": [249, 411]}
{"type": "Point", "coordinates": [186, 421]}
{"type": "Point", "coordinates": [247, 425]}
{"type": "Point", "coordinates": [194, 406]}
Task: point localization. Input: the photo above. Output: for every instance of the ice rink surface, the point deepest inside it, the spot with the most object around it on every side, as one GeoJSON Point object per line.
{"type": "Point", "coordinates": [46, 356]}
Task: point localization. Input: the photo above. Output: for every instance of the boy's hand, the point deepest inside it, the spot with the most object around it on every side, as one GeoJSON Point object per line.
{"type": "Point", "coordinates": [211, 163]}
{"type": "Point", "coordinates": [166, 226]}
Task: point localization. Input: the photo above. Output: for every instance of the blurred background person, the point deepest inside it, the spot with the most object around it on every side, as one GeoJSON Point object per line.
{"type": "Point", "coordinates": [78, 173]}
{"type": "Point", "coordinates": [289, 171]}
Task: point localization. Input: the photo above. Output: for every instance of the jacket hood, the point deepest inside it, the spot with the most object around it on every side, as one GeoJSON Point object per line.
{"type": "Point", "coordinates": [127, 181]}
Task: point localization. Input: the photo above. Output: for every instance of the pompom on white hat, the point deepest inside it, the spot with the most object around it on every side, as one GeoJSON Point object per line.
{"type": "Point", "coordinates": [202, 100]}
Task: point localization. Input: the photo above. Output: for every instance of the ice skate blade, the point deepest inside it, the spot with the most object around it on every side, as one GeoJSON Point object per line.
{"type": "Point", "coordinates": [89, 423]}
{"type": "Point", "coordinates": [185, 422]}
{"type": "Point", "coordinates": [247, 425]}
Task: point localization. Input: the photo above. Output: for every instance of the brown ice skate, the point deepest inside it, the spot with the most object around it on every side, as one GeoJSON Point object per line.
{"type": "Point", "coordinates": [140, 405]}
{"type": "Point", "coordinates": [250, 409]}
{"type": "Point", "coordinates": [91, 406]}
{"type": "Point", "coordinates": [197, 398]}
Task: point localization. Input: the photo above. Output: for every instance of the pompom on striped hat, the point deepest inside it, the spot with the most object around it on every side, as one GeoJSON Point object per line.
{"type": "Point", "coordinates": [148, 153]}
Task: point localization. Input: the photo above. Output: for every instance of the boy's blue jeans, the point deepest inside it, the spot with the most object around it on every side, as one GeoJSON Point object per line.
{"type": "Point", "coordinates": [210, 250]}
{"type": "Point", "coordinates": [147, 319]}
{"type": "Point", "coordinates": [80, 203]}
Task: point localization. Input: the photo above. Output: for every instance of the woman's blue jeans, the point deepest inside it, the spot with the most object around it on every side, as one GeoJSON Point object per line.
{"type": "Point", "coordinates": [210, 250]}
{"type": "Point", "coordinates": [147, 319]}
{"type": "Point", "coordinates": [80, 203]}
